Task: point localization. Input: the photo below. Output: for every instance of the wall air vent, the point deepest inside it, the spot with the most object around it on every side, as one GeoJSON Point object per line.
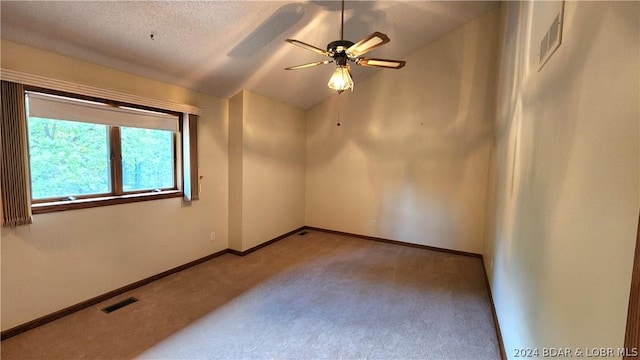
{"type": "Point", "coordinates": [119, 305]}
{"type": "Point", "coordinates": [551, 39]}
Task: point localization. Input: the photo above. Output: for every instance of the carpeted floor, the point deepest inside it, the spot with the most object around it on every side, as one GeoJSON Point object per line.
{"type": "Point", "coordinates": [318, 296]}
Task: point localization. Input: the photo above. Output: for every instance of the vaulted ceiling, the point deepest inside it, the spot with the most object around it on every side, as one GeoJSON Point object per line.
{"type": "Point", "coordinates": [221, 47]}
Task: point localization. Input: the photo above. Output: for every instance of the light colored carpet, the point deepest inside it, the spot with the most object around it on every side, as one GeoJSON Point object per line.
{"type": "Point", "coordinates": [318, 296]}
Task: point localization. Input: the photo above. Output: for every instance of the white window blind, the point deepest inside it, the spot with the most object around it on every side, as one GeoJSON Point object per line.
{"type": "Point", "coordinates": [64, 108]}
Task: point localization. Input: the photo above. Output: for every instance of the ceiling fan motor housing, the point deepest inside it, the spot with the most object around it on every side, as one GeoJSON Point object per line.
{"type": "Point", "coordinates": [337, 50]}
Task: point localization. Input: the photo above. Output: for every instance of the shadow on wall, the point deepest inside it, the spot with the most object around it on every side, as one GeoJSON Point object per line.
{"type": "Point", "coordinates": [546, 130]}
{"type": "Point", "coordinates": [423, 133]}
{"type": "Point", "coordinates": [536, 169]}
{"type": "Point", "coordinates": [272, 131]}
{"type": "Point", "coordinates": [429, 110]}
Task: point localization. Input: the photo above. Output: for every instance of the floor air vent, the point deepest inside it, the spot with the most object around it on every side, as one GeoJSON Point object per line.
{"type": "Point", "coordinates": [120, 304]}
{"type": "Point", "coordinates": [303, 233]}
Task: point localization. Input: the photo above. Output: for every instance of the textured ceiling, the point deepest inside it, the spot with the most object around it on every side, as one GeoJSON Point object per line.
{"type": "Point", "coordinates": [221, 47]}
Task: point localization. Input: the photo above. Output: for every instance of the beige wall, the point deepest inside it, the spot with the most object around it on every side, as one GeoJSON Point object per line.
{"type": "Point", "coordinates": [565, 175]}
{"type": "Point", "coordinates": [412, 155]}
{"type": "Point", "coordinates": [251, 153]}
{"type": "Point", "coordinates": [68, 257]}
{"type": "Point", "coordinates": [271, 138]}
{"type": "Point", "coordinates": [410, 160]}
{"type": "Point", "coordinates": [236, 160]}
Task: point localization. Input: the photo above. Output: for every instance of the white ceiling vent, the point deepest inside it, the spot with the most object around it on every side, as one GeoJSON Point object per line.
{"type": "Point", "coordinates": [551, 39]}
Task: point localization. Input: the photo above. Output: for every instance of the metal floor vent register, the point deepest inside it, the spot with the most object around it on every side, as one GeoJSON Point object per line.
{"type": "Point", "coordinates": [119, 305]}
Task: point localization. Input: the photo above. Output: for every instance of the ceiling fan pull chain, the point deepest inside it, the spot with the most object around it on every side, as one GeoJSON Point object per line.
{"type": "Point", "coordinates": [338, 124]}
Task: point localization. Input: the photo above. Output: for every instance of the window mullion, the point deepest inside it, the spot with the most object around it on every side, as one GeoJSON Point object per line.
{"type": "Point", "coordinates": [98, 147]}
{"type": "Point", "coordinates": [116, 160]}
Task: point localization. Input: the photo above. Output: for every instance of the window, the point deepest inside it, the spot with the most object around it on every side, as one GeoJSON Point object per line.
{"type": "Point", "coordinates": [147, 159]}
{"type": "Point", "coordinates": [86, 152]}
{"type": "Point", "coordinates": [68, 158]}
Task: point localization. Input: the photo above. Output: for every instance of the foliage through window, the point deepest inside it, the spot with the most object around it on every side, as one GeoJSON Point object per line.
{"type": "Point", "coordinates": [147, 159]}
{"type": "Point", "coordinates": [68, 158]}
{"type": "Point", "coordinates": [85, 149]}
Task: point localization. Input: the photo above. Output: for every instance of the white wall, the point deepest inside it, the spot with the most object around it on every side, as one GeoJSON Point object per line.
{"type": "Point", "coordinates": [413, 149]}
{"type": "Point", "coordinates": [68, 257]}
{"type": "Point", "coordinates": [565, 176]}
{"type": "Point", "coordinates": [268, 141]}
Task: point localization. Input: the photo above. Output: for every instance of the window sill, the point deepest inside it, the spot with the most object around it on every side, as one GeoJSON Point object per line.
{"type": "Point", "coordinates": [42, 208]}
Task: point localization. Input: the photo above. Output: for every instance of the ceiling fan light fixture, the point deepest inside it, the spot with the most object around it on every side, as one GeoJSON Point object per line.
{"type": "Point", "coordinates": [341, 51]}
{"type": "Point", "coordinates": [341, 79]}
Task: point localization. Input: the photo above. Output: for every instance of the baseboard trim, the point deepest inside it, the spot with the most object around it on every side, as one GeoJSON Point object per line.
{"type": "Point", "coordinates": [106, 296]}
{"type": "Point", "coordinates": [100, 298]}
{"type": "Point", "coordinates": [396, 242]}
{"type": "Point", "coordinates": [266, 243]}
{"type": "Point", "coordinates": [503, 352]}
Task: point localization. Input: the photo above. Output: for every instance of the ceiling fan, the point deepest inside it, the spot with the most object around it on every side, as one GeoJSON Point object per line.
{"type": "Point", "coordinates": [342, 51]}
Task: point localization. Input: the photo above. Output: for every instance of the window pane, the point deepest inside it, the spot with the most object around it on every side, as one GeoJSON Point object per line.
{"type": "Point", "coordinates": [68, 158]}
{"type": "Point", "coordinates": [147, 159]}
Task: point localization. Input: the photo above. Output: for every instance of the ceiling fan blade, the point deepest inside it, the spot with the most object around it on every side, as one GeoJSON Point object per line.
{"type": "Point", "coordinates": [367, 44]}
{"type": "Point", "coordinates": [309, 65]}
{"type": "Point", "coordinates": [384, 63]}
{"type": "Point", "coordinates": [307, 46]}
